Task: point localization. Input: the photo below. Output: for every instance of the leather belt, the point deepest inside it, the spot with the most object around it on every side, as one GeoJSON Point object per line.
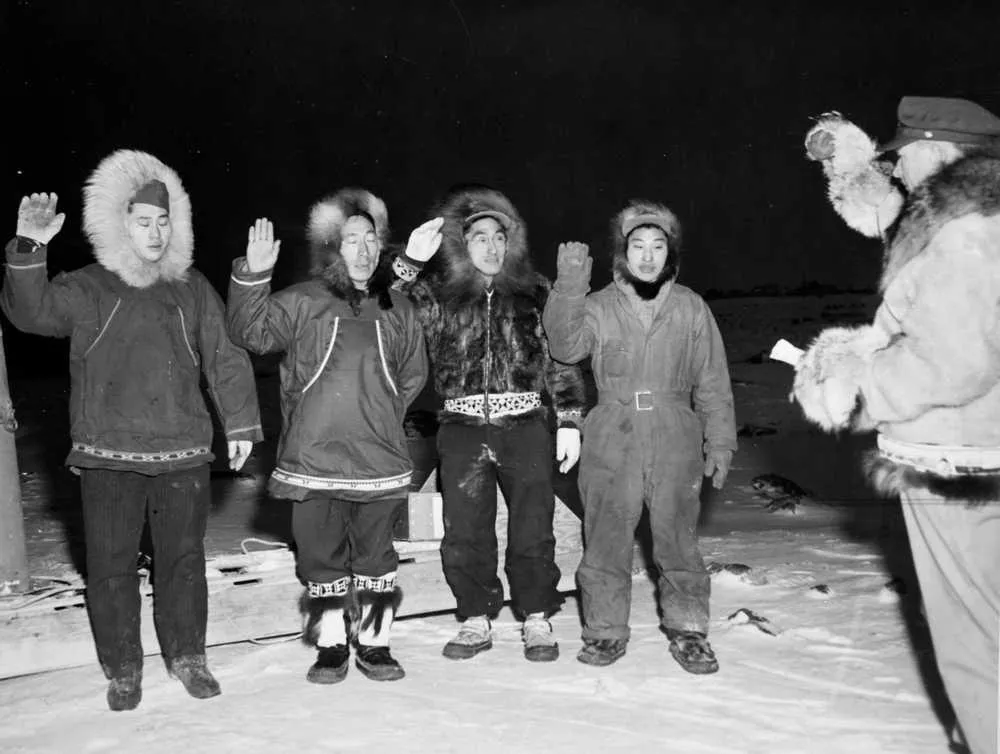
{"type": "Point", "coordinates": [646, 400]}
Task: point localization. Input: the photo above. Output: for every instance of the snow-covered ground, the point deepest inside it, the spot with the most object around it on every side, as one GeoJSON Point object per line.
{"type": "Point", "coordinates": [845, 667]}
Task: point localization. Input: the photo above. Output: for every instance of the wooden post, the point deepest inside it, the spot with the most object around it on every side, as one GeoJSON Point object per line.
{"type": "Point", "coordinates": [13, 555]}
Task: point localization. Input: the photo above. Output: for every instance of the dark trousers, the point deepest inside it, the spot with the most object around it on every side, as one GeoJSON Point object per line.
{"type": "Point", "coordinates": [473, 460]}
{"type": "Point", "coordinates": [115, 506]}
{"type": "Point", "coordinates": [338, 539]}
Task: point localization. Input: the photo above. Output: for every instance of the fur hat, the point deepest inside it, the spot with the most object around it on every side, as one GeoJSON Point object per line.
{"type": "Point", "coordinates": [453, 267]}
{"type": "Point", "coordinates": [943, 119]}
{"type": "Point", "coordinates": [107, 197]}
{"type": "Point", "coordinates": [641, 212]}
{"type": "Point", "coordinates": [326, 224]}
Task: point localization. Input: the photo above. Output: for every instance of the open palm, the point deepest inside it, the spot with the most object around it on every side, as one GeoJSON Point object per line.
{"type": "Point", "coordinates": [262, 248]}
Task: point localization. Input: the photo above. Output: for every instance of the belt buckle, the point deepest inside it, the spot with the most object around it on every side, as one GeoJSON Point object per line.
{"type": "Point", "coordinates": [639, 404]}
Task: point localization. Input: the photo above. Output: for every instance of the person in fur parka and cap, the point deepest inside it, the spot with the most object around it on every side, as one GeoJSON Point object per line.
{"type": "Point", "coordinates": [664, 417]}
{"type": "Point", "coordinates": [480, 303]}
{"type": "Point", "coordinates": [144, 326]}
{"type": "Point", "coordinates": [925, 375]}
{"type": "Point", "coordinates": [354, 360]}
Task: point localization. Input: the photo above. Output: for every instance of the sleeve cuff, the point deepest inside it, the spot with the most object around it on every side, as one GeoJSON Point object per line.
{"type": "Point", "coordinates": [571, 418]}
{"type": "Point", "coordinates": [24, 252]}
{"type": "Point", "coordinates": [243, 276]}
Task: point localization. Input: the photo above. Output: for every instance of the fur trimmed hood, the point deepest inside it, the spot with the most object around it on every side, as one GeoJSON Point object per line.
{"type": "Point", "coordinates": [451, 268]}
{"type": "Point", "coordinates": [640, 212]}
{"type": "Point", "coordinates": [106, 198]}
{"type": "Point", "coordinates": [969, 185]}
{"type": "Point", "coordinates": [326, 222]}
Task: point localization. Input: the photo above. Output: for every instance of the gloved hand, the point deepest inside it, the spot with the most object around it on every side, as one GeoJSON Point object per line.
{"type": "Point", "coordinates": [567, 448]}
{"type": "Point", "coordinates": [239, 452]}
{"type": "Point", "coordinates": [37, 218]}
{"type": "Point", "coordinates": [573, 266]}
{"type": "Point", "coordinates": [717, 463]}
{"type": "Point", "coordinates": [262, 248]}
{"type": "Point", "coordinates": [425, 240]}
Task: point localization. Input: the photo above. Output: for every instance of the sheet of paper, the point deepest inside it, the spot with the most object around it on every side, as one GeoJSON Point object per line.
{"type": "Point", "coordinates": [786, 352]}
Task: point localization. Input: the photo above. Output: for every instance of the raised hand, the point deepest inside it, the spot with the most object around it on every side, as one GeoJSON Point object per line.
{"type": "Point", "coordinates": [573, 266]}
{"type": "Point", "coordinates": [262, 249]}
{"type": "Point", "coordinates": [425, 240]}
{"type": "Point", "coordinates": [37, 218]}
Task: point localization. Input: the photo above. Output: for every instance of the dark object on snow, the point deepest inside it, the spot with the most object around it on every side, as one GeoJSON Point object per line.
{"type": "Point", "coordinates": [737, 569]}
{"type": "Point", "coordinates": [753, 430]}
{"type": "Point", "coordinates": [821, 589]}
{"type": "Point", "coordinates": [748, 616]}
{"type": "Point", "coordinates": [897, 585]}
{"type": "Point", "coordinates": [781, 493]}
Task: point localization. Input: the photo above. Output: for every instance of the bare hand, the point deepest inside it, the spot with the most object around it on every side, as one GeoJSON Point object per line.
{"type": "Point", "coordinates": [262, 249]}
{"type": "Point", "coordinates": [425, 240]}
{"type": "Point", "coordinates": [37, 218]}
{"type": "Point", "coordinates": [239, 452]}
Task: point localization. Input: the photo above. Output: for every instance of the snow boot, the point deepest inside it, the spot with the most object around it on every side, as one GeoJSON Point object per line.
{"type": "Point", "coordinates": [125, 689]}
{"type": "Point", "coordinates": [378, 610]}
{"type": "Point", "coordinates": [601, 652]}
{"type": "Point", "coordinates": [331, 665]}
{"type": "Point", "coordinates": [473, 637]}
{"type": "Point", "coordinates": [328, 629]}
{"type": "Point", "coordinates": [693, 652]}
{"type": "Point", "coordinates": [193, 672]}
{"type": "Point", "coordinates": [539, 643]}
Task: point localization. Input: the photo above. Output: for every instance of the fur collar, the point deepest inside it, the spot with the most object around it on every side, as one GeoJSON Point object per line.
{"type": "Point", "coordinates": [326, 220]}
{"type": "Point", "coordinates": [105, 211]}
{"type": "Point", "coordinates": [451, 271]}
{"type": "Point", "coordinates": [968, 185]}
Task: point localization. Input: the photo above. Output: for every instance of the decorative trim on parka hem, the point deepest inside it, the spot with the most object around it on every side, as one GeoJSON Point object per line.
{"type": "Point", "coordinates": [128, 455]}
{"type": "Point", "coordinates": [329, 483]}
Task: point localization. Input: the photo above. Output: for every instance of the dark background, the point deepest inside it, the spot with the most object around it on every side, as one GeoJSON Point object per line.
{"type": "Point", "coordinates": [570, 107]}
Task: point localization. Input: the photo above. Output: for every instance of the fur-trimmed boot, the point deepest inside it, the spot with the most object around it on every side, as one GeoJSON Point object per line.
{"type": "Point", "coordinates": [125, 688]}
{"type": "Point", "coordinates": [193, 672]}
{"type": "Point", "coordinates": [378, 610]}
{"type": "Point", "coordinates": [329, 626]}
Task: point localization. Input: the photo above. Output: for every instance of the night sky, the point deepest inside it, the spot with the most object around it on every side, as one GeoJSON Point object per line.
{"type": "Point", "coordinates": [571, 108]}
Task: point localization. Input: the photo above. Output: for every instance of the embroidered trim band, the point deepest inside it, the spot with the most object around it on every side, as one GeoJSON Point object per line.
{"type": "Point", "coordinates": [127, 455]}
{"type": "Point", "coordinates": [326, 483]}
{"type": "Point", "coordinates": [943, 460]}
{"type": "Point", "coordinates": [381, 584]}
{"type": "Point", "coordinates": [336, 588]}
{"type": "Point", "coordinates": [501, 404]}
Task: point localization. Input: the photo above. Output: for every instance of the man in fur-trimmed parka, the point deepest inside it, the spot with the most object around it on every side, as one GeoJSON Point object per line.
{"type": "Point", "coordinates": [480, 302]}
{"type": "Point", "coordinates": [354, 360]}
{"type": "Point", "coordinates": [926, 373]}
{"type": "Point", "coordinates": [664, 418]}
{"type": "Point", "coordinates": [144, 326]}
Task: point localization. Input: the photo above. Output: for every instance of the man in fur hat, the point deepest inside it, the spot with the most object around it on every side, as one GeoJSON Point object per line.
{"type": "Point", "coordinates": [664, 417]}
{"type": "Point", "coordinates": [480, 302]}
{"type": "Point", "coordinates": [926, 373]}
{"type": "Point", "coordinates": [354, 361]}
{"type": "Point", "coordinates": [143, 327]}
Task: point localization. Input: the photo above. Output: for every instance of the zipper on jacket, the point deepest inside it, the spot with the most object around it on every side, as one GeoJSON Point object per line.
{"type": "Point", "coordinates": [118, 302]}
{"type": "Point", "coordinates": [326, 357]}
{"type": "Point", "coordinates": [187, 342]}
{"type": "Point", "coordinates": [488, 356]}
{"type": "Point", "coordinates": [381, 354]}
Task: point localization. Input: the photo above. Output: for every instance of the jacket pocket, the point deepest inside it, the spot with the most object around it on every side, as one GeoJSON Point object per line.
{"type": "Point", "coordinates": [104, 328]}
{"type": "Point", "coordinates": [615, 359]}
{"type": "Point", "coordinates": [381, 356]}
{"type": "Point", "coordinates": [326, 357]}
{"type": "Point", "coordinates": [187, 341]}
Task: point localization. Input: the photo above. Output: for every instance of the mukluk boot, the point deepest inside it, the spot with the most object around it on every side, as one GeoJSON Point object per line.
{"type": "Point", "coordinates": [125, 687]}
{"type": "Point", "coordinates": [378, 600]}
{"type": "Point", "coordinates": [193, 672]}
{"type": "Point", "coordinates": [328, 628]}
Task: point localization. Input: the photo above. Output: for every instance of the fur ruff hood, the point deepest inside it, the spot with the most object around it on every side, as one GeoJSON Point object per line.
{"type": "Point", "coordinates": [326, 223]}
{"type": "Point", "coordinates": [451, 269]}
{"type": "Point", "coordinates": [106, 198]}
{"type": "Point", "coordinates": [968, 185]}
{"type": "Point", "coordinates": [619, 256]}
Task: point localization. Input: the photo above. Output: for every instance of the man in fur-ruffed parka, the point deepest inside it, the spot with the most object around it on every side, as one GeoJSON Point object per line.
{"type": "Point", "coordinates": [354, 360]}
{"type": "Point", "coordinates": [480, 302]}
{"type": "Point", "coordinates": [664, 418]}
{"type": "Point", "coordinates": [144, 326]}
{"type": "Point", "coordinates": [926, 373]}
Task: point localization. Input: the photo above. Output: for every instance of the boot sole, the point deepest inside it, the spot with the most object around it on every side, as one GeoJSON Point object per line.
{"type": "Point", "coordinates": [466, 651]}
{"type": "Point", "coordinates": [380, 672]}
{"type": "Point", "coordinates": [599, 661]}
{"type": "Point", "coordinates": [542, 654]}
{"type": "Point", "coordinates": [327, 676]}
